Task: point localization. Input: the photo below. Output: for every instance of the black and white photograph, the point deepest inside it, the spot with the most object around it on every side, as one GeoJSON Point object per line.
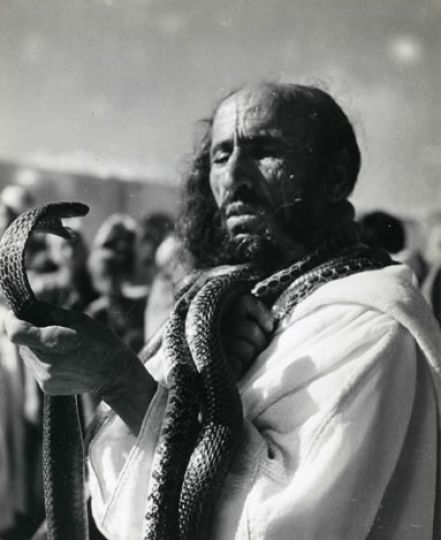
{"type": "Point", "coordinates": [220, 270]}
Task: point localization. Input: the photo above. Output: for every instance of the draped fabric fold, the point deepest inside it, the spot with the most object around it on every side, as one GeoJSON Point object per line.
{"type": "Point", "coordinates": [339, 439]}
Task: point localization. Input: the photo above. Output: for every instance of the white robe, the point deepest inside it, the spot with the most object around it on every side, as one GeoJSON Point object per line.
{"type": "Point", "coordinates": [340, 430]}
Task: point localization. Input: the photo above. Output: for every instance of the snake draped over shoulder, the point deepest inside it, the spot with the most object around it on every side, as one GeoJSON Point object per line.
{"type": "Point", "coordinates": [63, 460]}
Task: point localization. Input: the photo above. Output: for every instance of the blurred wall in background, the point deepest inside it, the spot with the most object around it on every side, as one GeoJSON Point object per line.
{"type": "Point", "coordinates": [104, 195]}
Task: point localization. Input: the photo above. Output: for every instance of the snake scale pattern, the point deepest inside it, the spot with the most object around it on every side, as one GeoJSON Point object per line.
{"type": "Point", "coordinates": [192, 342]}
{"type": "Point", "coordinates": [203, 419]}
{"type": "Point", "coordinates": [63, 462]}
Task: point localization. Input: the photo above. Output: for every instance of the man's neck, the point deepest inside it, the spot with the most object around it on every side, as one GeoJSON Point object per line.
{"type": "Point", "coordinates": [333, 217]}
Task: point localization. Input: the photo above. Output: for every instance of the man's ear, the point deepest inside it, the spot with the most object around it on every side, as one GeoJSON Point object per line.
{"type": "Point", "coordinates": [340, 177]}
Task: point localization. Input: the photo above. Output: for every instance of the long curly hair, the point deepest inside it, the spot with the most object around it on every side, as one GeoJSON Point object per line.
{"type": "Point", "coordinates": [199, 225]}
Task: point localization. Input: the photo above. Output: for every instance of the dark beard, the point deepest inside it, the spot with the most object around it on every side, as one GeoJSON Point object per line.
{"type": "Point", "coordinates": [259, 250]}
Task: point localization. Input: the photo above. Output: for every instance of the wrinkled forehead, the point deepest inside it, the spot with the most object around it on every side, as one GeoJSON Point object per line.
{"type": "Point", "coordinates": [260, 110]}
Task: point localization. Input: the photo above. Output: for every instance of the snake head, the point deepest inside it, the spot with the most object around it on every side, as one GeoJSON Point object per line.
{"type": "Point", "coordinates": [55, 226]}
{"type": "Point", "coordinates": [46, 218]}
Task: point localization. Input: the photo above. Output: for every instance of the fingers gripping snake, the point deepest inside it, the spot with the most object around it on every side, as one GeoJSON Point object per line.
{"type": "Point", "coordinates": [63, 463]}
{"type": "Point", "coordinates": [203, 419]}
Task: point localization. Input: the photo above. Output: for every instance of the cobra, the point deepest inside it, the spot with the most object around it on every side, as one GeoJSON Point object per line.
{"type": "Point", "coordinates": [63, 462]}
{"type": "Point", "coordinates": [202, 424]}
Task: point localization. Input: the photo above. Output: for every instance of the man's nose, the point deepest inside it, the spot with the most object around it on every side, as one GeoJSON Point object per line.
{"type": "Point", "coordinates": [237, 171]}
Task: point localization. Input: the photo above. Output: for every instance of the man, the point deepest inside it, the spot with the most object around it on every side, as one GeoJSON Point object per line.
{"type": "Point", "coordinates": [339, 438]}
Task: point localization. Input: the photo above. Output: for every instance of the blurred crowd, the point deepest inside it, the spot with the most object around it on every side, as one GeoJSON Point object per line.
{"type": "Point", "coordinates": [127, 278]}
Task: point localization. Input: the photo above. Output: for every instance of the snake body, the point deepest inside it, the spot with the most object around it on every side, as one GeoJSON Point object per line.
{"type": "Point", "coordinates": [222, 414]}
{"type": "Point", "coordinates": [192, 341]}
{"type": "Point", "coordinates": [63, 463]}
{"type": "Point", "coordinates": [202, 425]}
{"type": "Point", "coordinates": [178, 433]}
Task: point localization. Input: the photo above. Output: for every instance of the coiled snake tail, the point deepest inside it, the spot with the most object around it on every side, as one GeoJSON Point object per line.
{"type": "Point", "coordinates": [63, 460]}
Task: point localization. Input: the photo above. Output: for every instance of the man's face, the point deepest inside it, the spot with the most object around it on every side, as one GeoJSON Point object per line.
{"type": "Point", "coordinates": [263, 175]}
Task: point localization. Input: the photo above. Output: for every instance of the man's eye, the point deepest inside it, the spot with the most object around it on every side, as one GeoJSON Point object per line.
{"type": "Point", "coordinates": [219, 157]}
{"type": "Point", "coordinates": [263, 151]}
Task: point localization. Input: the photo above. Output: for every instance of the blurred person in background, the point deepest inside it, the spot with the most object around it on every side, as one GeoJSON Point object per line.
{"type": "Point", "coordinates": [118, 234]}
{"type": "Point", "coordinates": [432, 253]}
{"type": "Point", "coordinates": [21, 492]}
{"type": "Point", "coordinates": [111, 265]}
{"type": "Point", "coordinates": [69, 284]}
{"type": "Point", "coordinates": [14, 199]}
{"type": "Point", "coordinates": [171, 270]}
{"type": "Point", "coordinates": [385, 231]}
{"type": "Point", "coordinates": [152, 230]}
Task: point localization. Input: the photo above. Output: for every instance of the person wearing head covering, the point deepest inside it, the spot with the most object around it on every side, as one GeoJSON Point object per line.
{"type": "Point", "coordinates": [111, 265]}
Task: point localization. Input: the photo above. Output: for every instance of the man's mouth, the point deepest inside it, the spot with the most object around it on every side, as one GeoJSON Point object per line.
{"type": "Point", "coordinates": [239, 208]}
{"type": "Point", "coordinates": [242, 218]}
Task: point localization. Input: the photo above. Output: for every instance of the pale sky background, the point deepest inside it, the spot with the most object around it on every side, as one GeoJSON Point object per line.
{"type": "Point", "coordinates": [119, 84]}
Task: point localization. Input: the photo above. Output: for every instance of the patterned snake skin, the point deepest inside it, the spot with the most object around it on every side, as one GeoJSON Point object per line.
{"type": "Point", "coordinates": [63, 462]}
{"type": "Point", "coordinates": [203, 419]}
